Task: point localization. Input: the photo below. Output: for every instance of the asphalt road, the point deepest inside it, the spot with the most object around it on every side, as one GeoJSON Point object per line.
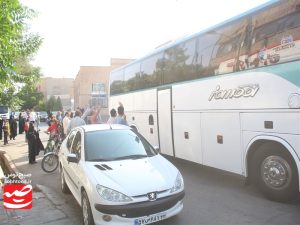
{"type": "Point", "coordinates": [212, 198]}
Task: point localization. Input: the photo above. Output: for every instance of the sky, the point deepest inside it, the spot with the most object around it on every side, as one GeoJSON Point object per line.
{"type": "Point", "coordinates": [90, 32]}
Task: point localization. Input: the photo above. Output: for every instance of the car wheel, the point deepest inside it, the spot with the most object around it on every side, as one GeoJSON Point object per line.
{"type": "Point", "coordinates": [64, 186]}
{"type": "Point", "coordinates": [86, 210]}
{"type": "Point", "coordinates": [275, 172]}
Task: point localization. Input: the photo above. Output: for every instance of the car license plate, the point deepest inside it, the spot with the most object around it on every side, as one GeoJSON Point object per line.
{"type": "Point", "coordinates": [149, 219]}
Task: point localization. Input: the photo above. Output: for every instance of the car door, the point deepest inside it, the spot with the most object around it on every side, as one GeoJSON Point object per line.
{"type": "Point", "coordinates": [75, 169]}
{"type": "Point", "coordinates": [65, 151]}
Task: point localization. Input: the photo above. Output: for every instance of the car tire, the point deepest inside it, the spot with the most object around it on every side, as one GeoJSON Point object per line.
{"type": "Point", "coordinates": [64, 187]}
{"type": "Point", "coordinates": [275, 172]}
{"type": "Point", "coordinates": [87, 215]}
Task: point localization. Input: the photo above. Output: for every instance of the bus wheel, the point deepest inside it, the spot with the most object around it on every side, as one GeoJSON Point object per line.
{"type": "Point", "coordinates": [275, 172]}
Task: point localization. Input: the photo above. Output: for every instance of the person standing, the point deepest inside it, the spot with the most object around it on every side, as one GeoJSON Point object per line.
{"type": "Point", "coordinates": [10, 126]}
{"type": "Point", "coordinates": [21, 123]}
{"type": "Point", "coordinates": [66, 122]}
{"type": "Point", "coordinates": [32, 116]}
{"type": "Point", "coordinates": [121, 119]}
{"type": "Point", "coordinates": [76, 121]}
{"type": "Point", "coordinates": [86, 114]}
{"type": "Point", "coordinates": [26, 128]}
{"type": "Point", "coordinates": [32, 143]}
{"type": "Point", "coordinates": [13, 129]}
{"type": "Point", "coordinates": [58, 116]}
{"type": "Point", "coordinates": [1, 126]}
{"type": "Point", "coordinates": [6, 131]}
{"type": "Point", "coordinates": [95, 115]}
{"type": "Point", "coordinates": [113, 114]}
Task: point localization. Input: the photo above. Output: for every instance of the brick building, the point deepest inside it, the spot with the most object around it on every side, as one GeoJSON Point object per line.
{"type": "Point", "coordinates": [91, 85]}
{"type": "Point", "coordinates": [58, 87]}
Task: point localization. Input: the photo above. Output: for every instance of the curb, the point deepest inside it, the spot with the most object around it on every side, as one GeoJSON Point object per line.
{"type": "Point", "coordinates": [9, 164]}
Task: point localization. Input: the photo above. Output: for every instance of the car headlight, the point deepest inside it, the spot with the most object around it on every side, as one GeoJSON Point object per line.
{"type": "Point", "coordinates": [112, 195]}
{"type": "Point", "coordinates": [178, 185]}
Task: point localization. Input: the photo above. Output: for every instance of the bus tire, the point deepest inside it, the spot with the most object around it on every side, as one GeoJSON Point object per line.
{"type": "Point", "coordinates": [275, 172]}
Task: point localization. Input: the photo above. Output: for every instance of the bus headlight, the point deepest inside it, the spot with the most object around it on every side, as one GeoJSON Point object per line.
{"type": "Point", "coordinates": [294, 101]}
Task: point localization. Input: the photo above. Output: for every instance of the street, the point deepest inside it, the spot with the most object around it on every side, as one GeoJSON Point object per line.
{"type": "Point", "coordinates": [212, 197]}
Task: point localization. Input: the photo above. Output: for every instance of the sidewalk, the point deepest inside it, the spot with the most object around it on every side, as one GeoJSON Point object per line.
{"type": "Point", "coordinates": [46, 205]}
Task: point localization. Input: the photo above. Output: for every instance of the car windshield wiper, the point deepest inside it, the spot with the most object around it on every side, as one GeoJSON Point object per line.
{"type": "Point", "coordinates": [131, 157]}
{"type": "Point", "coordinates": [100, 160]}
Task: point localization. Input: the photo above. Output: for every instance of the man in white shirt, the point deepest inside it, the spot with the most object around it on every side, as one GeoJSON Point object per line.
{"type": "Point", "coordinates": [32, 116]}
{"type": "Point", "coordinates": [66, 122]}
{"type": "Point", "coordinates": [75, 122]}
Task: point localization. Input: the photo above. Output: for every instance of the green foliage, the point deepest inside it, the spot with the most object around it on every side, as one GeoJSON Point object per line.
{"type": "Point", "coordinates": [17, 46]}
{"type": "Point", "coordinates": [51, 103]}
{"type": "Point", "coordinates": [59, 106]}
{"type": "Point", "coordinates": [54, 104]}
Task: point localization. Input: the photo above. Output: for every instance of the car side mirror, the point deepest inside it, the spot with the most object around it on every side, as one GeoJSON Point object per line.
{"type": "Point", "coordinates": [72, 158]}
{"type": "Point", "coordinates": [156, 148]}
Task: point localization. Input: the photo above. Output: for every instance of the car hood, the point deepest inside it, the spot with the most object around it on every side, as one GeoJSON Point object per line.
{"type": "Point", "coordinates": [135, 177]}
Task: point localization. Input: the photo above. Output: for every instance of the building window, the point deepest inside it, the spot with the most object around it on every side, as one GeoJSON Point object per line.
{"type": "Point", "coordinates": [98, 88]}
{"type": "Point", "coordinates": [98, 95]}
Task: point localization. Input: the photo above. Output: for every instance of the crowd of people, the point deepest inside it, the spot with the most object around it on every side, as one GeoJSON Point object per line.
{"type": "Point", "coordinates": [9, 126]}
{"type": "Point", "coordinates": [59, 125]}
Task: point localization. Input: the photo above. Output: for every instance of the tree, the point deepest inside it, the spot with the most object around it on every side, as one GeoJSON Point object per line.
{"type": "Point", "coordinates": [17, 46]}
{"type": "Point", "coordinates": [59, 104]}
{"type": "Point", "coordinates": [27, 94]}
{"type": "Point", "coordinates": [54, 104]}
{"type": "Point", "coordinates": [50, 105]}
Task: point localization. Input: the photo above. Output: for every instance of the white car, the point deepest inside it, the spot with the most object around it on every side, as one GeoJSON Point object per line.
{"type": "Point", "coordinates": [117, 177]}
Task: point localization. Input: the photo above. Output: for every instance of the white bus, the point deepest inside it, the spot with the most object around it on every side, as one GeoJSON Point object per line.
{"type": "Point", "coordinates": [227, 97]}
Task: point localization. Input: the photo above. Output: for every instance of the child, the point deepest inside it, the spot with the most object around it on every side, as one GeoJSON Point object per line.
{"type": "Point", "coordinates": [6, 131]}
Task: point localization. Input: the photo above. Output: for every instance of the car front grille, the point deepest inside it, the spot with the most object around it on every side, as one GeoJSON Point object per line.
{"type": "Point", "coordinates": [142, 208]}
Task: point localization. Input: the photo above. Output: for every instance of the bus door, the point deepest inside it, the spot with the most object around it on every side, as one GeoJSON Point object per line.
{"type": "Point", "coordinates": [164, 114]}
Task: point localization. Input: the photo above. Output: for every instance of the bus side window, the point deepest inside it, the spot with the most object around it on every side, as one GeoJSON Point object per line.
{"type": "Point", "coordinates": [151, 71]}
{"type": "Point", "coordinates": [180, 62]}
{"type": "Point", "coordinates": [205, 48]}
{"type": "Point", "coordinates": [276, 40]}
{"type": "Point", "coordinates": [228, 51]}
{"type": "Point", "coordinates": [131, 74]}
{"type": "Point", "coordinates": [117, 82]}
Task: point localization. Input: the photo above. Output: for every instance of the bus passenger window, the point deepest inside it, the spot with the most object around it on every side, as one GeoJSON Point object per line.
{"type": "Point", "coordinates": [180, 62]}
{"type": "Point", "coordinates": [131, 74]}
{"type": "Point", "coordinates": [117, 82]}
{"type": "Point", "coordinates": [276, 40]}
{"type": "Point", "coordinates": [151, 70]}
{"type": "Point", "coordinates": [227, 53]}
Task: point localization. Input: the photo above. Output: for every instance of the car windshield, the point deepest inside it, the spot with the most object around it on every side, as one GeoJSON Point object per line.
{"type": "Point", "coordinates": [112, 145]}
